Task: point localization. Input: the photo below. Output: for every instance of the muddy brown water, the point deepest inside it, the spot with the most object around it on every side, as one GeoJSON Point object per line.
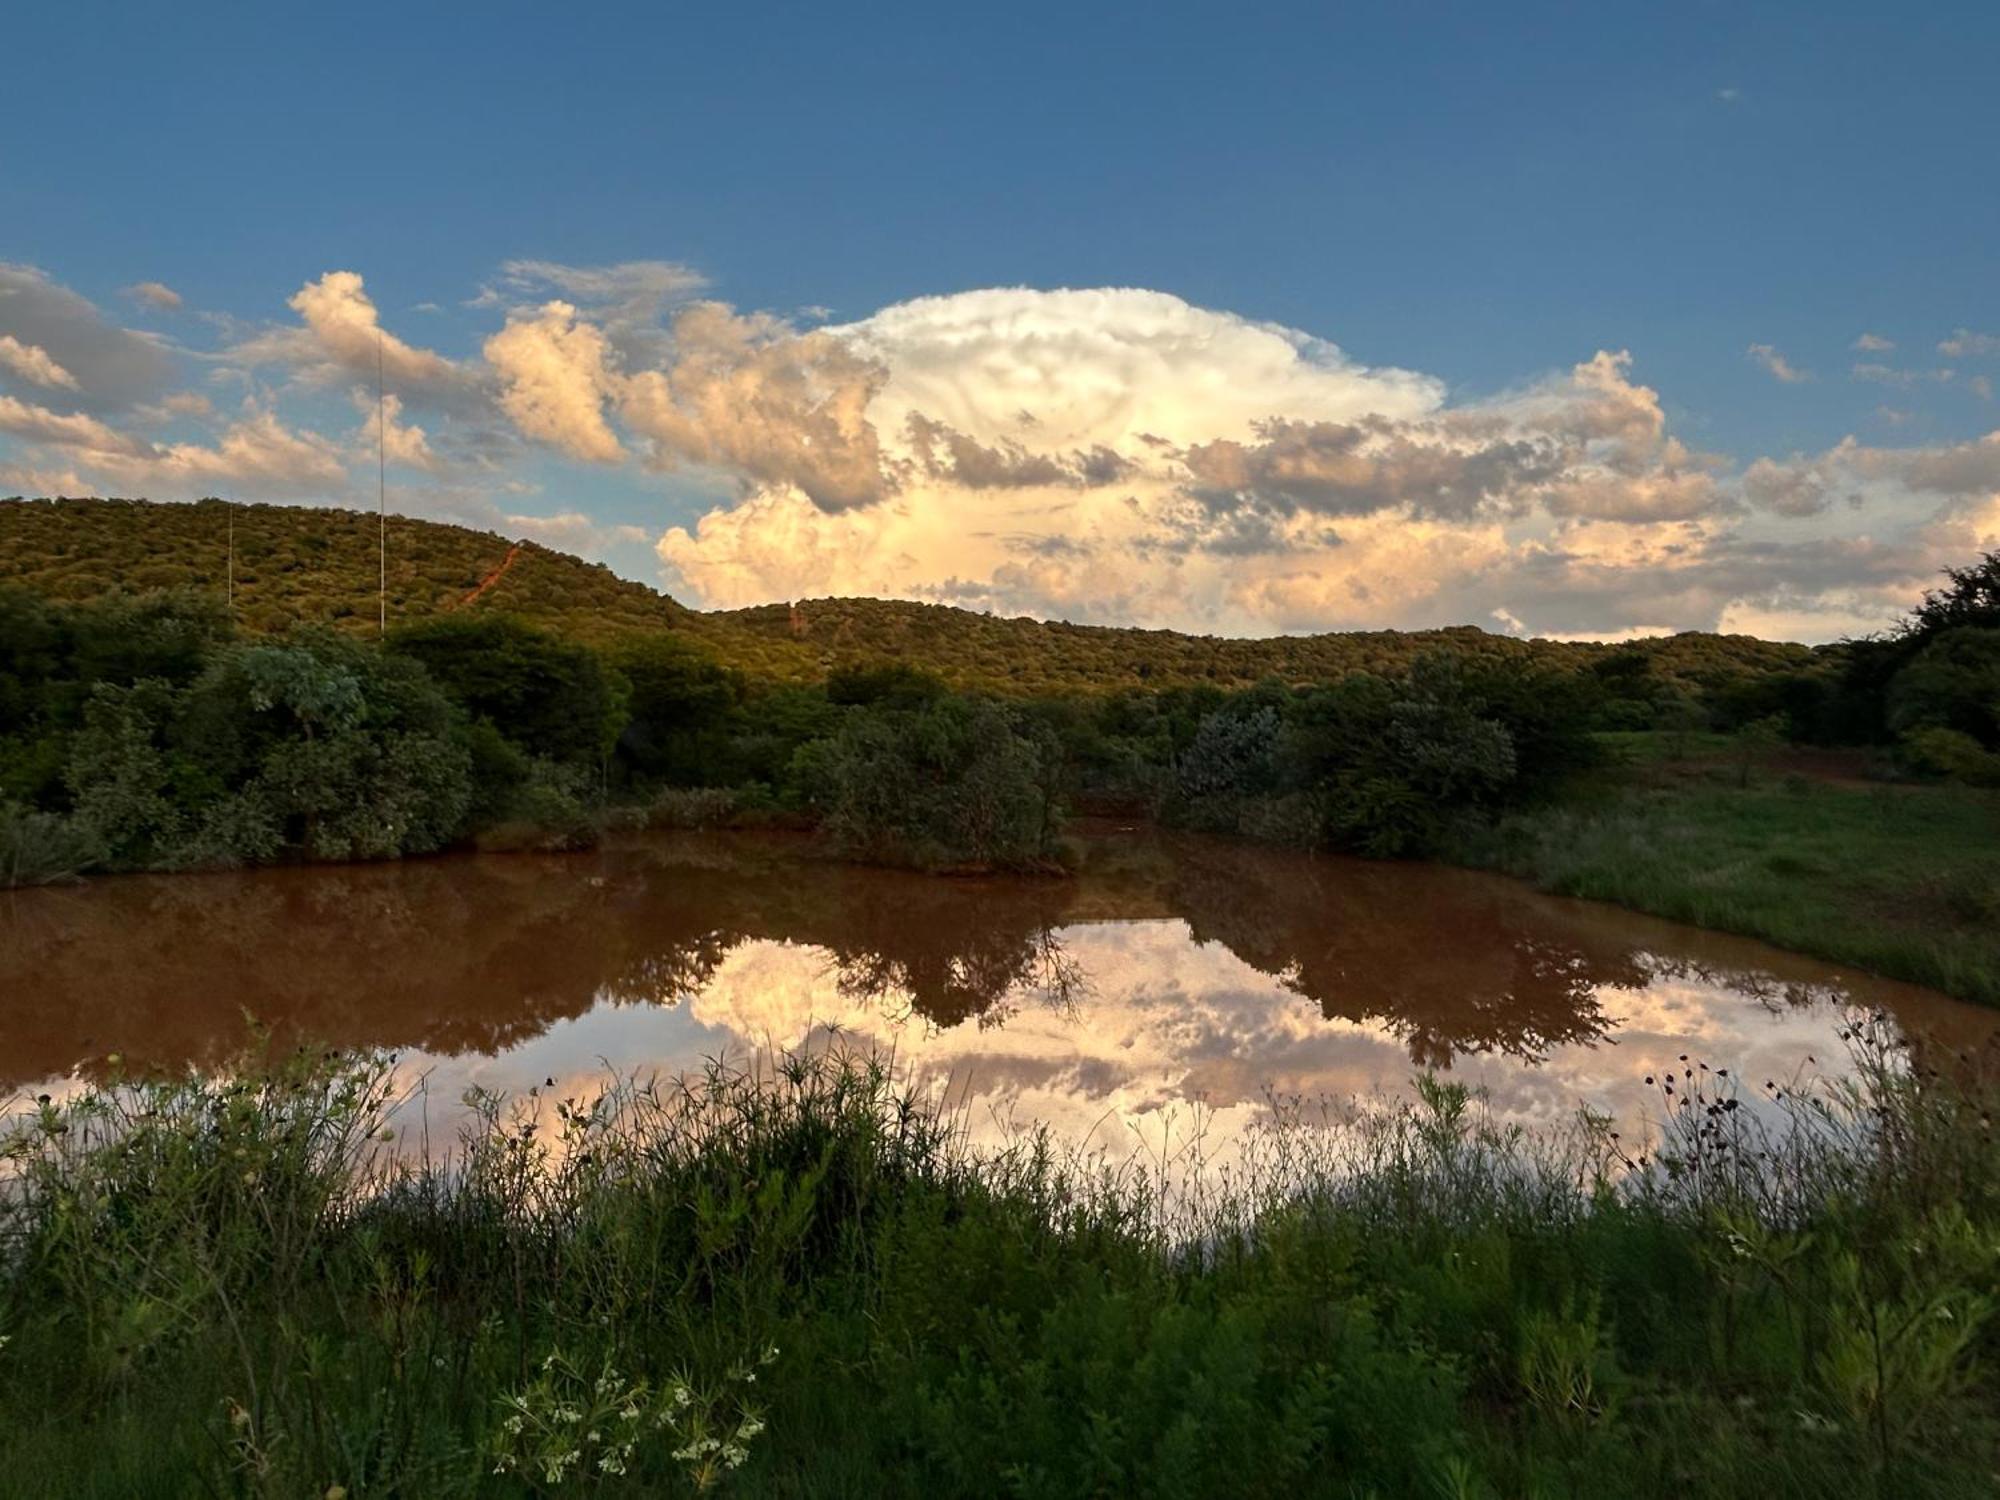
{"type": "Point", "coordinates": [1174, 979]}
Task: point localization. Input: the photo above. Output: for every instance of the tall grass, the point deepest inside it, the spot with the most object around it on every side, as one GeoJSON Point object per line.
{"type": "Point", "coordinates": [42, 848]}
{"type": "Point", "coordinates": [1903, 881]}
{"type": "Point", "coordinates": [804, 1282]}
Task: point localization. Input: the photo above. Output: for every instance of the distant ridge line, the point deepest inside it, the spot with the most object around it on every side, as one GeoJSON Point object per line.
{"type": "Point", "coordinates": [307, 565]}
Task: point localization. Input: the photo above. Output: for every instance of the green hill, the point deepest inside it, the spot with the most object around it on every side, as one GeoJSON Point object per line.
{"type": "Point", "coordinates": [297, 564]}
{"type": "Point", "coordinates": [1027, 656]}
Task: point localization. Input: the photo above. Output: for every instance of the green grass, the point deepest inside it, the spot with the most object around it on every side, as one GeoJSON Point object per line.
{"type": "Point", "coordinates": [804, 1285]}
{"type": "Point", "coordinates": [1901, 880]}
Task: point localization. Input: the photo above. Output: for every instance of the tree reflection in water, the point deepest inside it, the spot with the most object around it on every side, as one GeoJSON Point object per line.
{"type": "Point", "coordinates": [476, 955]}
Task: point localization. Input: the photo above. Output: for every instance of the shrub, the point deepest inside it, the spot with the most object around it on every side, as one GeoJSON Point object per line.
{"type": "Point", "coordinates": [958, 782]}
{"type": "Point", "coordinates": [693, 807]}
{"type": "Point", "coordinates": [1952, 683]}
{"type": "Point", "coordinates": [40, 848]}
{"type": "Point", "coordinates": [551, 809]}
{"type": "Point", "coordinates": [1948, 752]}
{"type": "Point", "coordinates": [549, 696]}
{"type": "Point", "coordinates": [315, 745]}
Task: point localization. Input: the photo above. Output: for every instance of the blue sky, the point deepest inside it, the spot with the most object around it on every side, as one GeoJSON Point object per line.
{"type": "Point", "coordinates": [1486, 195]}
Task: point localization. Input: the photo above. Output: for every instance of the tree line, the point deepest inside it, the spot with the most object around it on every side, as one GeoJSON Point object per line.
{"type": "Point", "coordinates": [147, 732]}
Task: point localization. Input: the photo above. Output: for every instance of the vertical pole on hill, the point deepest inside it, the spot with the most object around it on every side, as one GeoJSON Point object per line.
{"type": "Point", "coordinates": [231, 574]}
{"type": "Point", "coordinates": [381, 496]}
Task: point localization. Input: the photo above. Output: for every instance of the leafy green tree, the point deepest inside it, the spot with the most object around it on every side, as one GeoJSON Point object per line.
{"type": "Point", "coordinates": [53, 658]}
{"type": "Point", "coordinates": [1870, 702]}
{"type": "Point", "coordinates": [1628, 689]}
{"type": "Point", "coordinates": [1234, 754]}
{"type": "Point", "coordinates": [1953, 682]}
{"type": "Point", "coordinates": [1971, 598]}
{"type": "Point", "coordinates": [1448, 741]}
{"type": "Point", "coordinates": [892, 684]}
{"type": "Point", "coordinates": [768, 728]}
{"type": "Point", "coordinates": [316, 746]}
{"type": "Point", "coordinates": [959, 781]}
{"type": "Point", "coordinates": [678, 706]}
{"type": "Point", "coordinates": [548, 696]}
{"type": "Point", "coordinates": [129, 792]}
{"type": "Point", "coordinates": [1388, 762]}
{"type": "Point", "coordinates": [1546, 711]}
{"type": "Point", "coordinates": [349, 753]}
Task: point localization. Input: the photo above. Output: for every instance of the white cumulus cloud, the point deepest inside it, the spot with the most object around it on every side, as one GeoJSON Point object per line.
{"type": "Point", "coordinates": [31, 362]}
{"type": "Point", "coordinates": [340, 337]}
{"type": "Point", "coordinates": [1781, 369]}
{"type": "Point", "coordinates": [1114, 455]}
{"type": "Point", "coordinates": [1122, 455]}
{"type": "Point", "coordinates": [155, 294]}
{"type": "Point", "coordinates": [1965, 344]}
{"type": "Point", "coordinates": [385, 433]}
{"type": "Point", "coordinates": [555, 374]}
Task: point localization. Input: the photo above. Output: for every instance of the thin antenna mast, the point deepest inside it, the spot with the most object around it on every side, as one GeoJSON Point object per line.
{"type": "Point", "coordinates": [381, 494]}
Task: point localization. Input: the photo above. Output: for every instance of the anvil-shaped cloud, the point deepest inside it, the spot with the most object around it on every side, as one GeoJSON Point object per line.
{"type": "Point", "coordinates": [1114, 455]}
{"type": "Point", "coordinates": [1123, 456]}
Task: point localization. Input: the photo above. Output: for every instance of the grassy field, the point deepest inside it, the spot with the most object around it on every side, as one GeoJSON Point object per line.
{"type": "Point", "coordinates": [1901, 880]}
{"type": "Point", "coordinates": [805, 1286]}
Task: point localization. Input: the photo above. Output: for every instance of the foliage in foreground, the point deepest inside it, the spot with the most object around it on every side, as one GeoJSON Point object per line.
{"type": "Point", "coordinates": [805, 1284]}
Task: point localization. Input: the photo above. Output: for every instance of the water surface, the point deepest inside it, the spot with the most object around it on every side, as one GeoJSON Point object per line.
{"type": "Point", "coordinates": [1174, 979]}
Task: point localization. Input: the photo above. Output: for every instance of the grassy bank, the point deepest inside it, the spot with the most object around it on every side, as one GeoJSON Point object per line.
{"type": "Point", "coordinates": [1901, 880]}
{"type": "Point", "coordinates": [805, 1286]}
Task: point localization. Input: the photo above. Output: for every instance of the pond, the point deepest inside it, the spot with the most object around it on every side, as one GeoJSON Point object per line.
{"type": "Point", "coordinates": [1176, 984]}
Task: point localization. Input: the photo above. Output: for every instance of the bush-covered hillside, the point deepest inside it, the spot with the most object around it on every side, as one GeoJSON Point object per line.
{"type": "Point", "coordinates": [1038, 657]}
{"type": "Point", "coordinates": [297, 564]}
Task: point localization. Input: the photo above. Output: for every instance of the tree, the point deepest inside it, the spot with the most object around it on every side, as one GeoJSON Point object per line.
{"type": "Point", "coordinates": [316, 746]}
{"type": "Point", "coordinates": [892, 684]}
{"type": "Point", "coordinates": [1972, 598]}
{"type": "Point", "coordinates": [1234, 754]}
{"type": "Point", "coordinates": [53, 657]}
{"type": "Point", "coordinates": [1872, 702]}
{"type": "Point", "coordinates": [129, 795]}
{"type": "Point", "coordinates": [1952, 682]}
{"type": "Point", "coordinates": [959, 781]}
{"type": "Point", "coordinates": [1387, 762]}
{"type": "Point", "coordinates": [678, 702]}
{"type": "Point", "coordinates": [549, 697]}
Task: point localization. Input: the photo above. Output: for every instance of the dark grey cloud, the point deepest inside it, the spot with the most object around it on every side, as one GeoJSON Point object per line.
{"type": "Point", "coordinates": [1793, 488]}
{"type": "Point", "coordinates": [946, 453]}
{"type": "Point", "coordinates": [115, 368]}
{"type": "Point", "coordinates": [1358, 468]}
